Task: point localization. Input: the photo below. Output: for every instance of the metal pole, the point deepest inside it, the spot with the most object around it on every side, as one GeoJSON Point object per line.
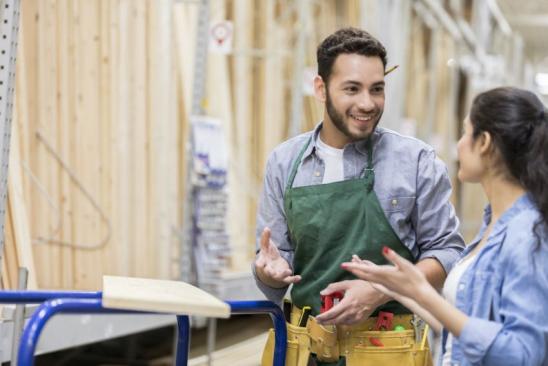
{"type": "Point", "coordinates": [45, 311]}
{"type": "Point", "coordinates": [200, 59]}
{"type": "Point", "coordinates": [9, 27]}
{"type": "Point", "coordinates": [183, 339]}
{"type": "Point", "coordinates": [211, 335]}
{"type": "Point", "coordinates": [19, 316]}
{"type": "Point", "coordinates": [277, 315]}
{"type": "Point", "coordinates": [35, 297]}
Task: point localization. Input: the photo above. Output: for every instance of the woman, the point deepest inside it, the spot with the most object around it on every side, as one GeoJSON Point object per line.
{"type": "Point", "coordinates": [494, 304]}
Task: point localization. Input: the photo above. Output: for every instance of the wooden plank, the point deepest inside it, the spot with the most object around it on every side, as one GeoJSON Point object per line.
{"type": "Point", "coordinates": [273, 90]}
{"type": "Point", "coordinates": [18, 214]}
{"type": "Point", "coordinates": [185, 19]}
{"type": "Point", "coordinates": [183, 52]}
{"type": "Point", "coordinates": [416, 77]}
{"type": "Point", "coordinates": [43, 164]}
{"type": "Point", "coordinates": [161, 113]}
{"type": "Point", "coordinates": [240, 135]}
{"type": "Point", "coordinates": [121, 127]}
{"type": "Point", "coordinates": [106, 151]}
{"type": "Point", "coordinates": [174, 297]}
{"type": "Point", "coordinates": [20, 238]}
{"type": "Point", "coordinates": [141, 170]}
{"type": "Point", "coordinates": [50, 127]}
{"type": "Point", "coordinates": [10, 252]}
{"type": "Point", "coordinates": [256, 127]}
{"type": "Point", "coordinates": [25, 97]}
{"type": "Point", "coordinates": [172, 193]}
{"type": "Point", "coordinates": [89, 230]}
{"type": "Point", "coordinates": [5, 274]}
{"type": "Point", "coordinates": [66, 106]}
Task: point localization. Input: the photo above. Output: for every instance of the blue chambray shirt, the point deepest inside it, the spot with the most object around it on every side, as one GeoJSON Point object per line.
{"type": "Point", "coordinates": [411, 183]}
{"type": "Point", "coordinates": [505, 293]}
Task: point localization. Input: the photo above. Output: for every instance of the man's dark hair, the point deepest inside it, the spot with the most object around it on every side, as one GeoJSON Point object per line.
{"type": "Point", "coordinates": [347, 40]}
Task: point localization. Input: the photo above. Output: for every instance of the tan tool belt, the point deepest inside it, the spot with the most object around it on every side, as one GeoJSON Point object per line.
{"type": "Point", "coordinates": [360, 344]}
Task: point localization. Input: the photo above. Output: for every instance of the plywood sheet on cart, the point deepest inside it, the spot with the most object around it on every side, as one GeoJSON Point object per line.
{"type": "Point", "coordinates": [175, 297]}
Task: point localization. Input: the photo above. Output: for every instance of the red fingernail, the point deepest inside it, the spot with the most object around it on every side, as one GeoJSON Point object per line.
{"type": "Point", "coordinates": [385, 250]}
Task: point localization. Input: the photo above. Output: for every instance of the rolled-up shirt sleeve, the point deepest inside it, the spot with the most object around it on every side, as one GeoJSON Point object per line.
{"type": "Point", "coordinates": [522, 337]}
{"type": "Point", "coordinates": [271, 214]}
{"type": "Point", "coordinates": [433, 217]}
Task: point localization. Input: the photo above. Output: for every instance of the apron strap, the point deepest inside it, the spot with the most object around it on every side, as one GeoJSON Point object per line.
{"type": "Point", "coordinates": [296, 164]}
{"type": "Point", "coordinates": [368, 173]}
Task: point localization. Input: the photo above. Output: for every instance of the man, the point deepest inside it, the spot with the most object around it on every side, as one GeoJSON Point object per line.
{"type": "Point", "coordinates": [349, 188]}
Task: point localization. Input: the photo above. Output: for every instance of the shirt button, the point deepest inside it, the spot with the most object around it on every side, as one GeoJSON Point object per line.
{"type": "Point", "coordinates": [394, 202]}
{"type": "Point", "coordinates": [317, 174]}
{"type": "Point", "coordinates": [461, 287]}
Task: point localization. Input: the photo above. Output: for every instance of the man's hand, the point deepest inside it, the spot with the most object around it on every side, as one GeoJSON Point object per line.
{"type": "Point", "coordinates": [271, 268]}
{"type": "Point", "coordinates": [359, 301]}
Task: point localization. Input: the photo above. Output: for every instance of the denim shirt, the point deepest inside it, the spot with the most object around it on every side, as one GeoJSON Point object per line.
{"type": "Point", "coordinates": [411, 183]}
{"type": "Point", "coordinates": [504, 292]}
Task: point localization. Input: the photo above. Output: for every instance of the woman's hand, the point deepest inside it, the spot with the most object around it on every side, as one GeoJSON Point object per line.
{"type": "Point", "coordinates": [402, 278]}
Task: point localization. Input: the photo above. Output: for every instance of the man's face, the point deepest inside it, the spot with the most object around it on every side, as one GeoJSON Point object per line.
{"type": "Point", "coordinates": [355, 96]}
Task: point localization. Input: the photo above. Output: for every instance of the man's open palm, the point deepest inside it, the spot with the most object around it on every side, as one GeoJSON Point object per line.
{"type": "Point", "coordinates": [271, 267]}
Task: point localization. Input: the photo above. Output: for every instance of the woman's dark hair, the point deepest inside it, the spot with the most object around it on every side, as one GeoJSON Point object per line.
{"type": "Point", "coordinates": [347, 40]}
{"type": "Point", "coordinates": [517, 121]}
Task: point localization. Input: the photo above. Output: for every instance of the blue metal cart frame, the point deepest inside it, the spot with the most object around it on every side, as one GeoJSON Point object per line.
{"type": "Point", "coordinates": [54, 302]}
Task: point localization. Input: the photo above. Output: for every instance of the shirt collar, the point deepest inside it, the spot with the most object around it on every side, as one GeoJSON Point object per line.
{"type": "Point", "coordinates": [524, 202]}
{"type": "Point", "coordinates": [360, 146]}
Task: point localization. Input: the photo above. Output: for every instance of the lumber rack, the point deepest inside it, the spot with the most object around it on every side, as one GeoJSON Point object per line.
{"type": "Point", "coordinates": [78, 302]}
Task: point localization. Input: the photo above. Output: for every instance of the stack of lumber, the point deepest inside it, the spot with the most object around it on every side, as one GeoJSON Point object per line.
{"type": "Point", "coordinates": [102, 101]}
{"type": "Point", "coordinates": [99, 140]}
{"type": "Point", "coordinates": [101, 125]}
{"type": "Point", "coordinates": [438, 100]}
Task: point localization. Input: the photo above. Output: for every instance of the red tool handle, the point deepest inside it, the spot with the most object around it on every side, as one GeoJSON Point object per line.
{"type": "Point", "coordinates": [328, 300]}
{"type": "Point", "coordinates": [384, 322]}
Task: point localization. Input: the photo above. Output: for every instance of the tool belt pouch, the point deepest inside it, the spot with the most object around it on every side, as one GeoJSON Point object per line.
{"type": "Point", "coordinates": [297, 350]}
{"type": "Point", "coordinates": [387, 348]}
{"type": "Point", "coordinates": [323, 341]}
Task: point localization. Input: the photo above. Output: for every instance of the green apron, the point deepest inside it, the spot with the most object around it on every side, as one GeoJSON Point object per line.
{"type": "Point", "coordinates": [330, 222]}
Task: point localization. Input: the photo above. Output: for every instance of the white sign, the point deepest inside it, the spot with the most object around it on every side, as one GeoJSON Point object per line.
{"type": "Point", "coordinates": [220, 37]}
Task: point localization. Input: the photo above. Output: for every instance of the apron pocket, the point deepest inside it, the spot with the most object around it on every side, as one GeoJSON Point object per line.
{"type": "Point", "coordinates": [367, 339]}
{"type": "Point", "coordinates": [385, 356]}
{"type": "Point", "coordinates": [390, 356]}
{"type": "Point", "coordinates": [397, 348]}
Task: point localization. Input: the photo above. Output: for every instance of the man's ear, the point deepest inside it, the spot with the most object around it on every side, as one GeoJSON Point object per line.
{"type": "Point", "coordinates": [319, 88]}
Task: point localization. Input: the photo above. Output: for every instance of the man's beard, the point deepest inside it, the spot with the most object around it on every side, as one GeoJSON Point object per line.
{"type": "Point", "coordinates": [338, 120]}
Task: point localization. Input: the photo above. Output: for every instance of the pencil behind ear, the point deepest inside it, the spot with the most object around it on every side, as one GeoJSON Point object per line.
{"type": "Point", "coordinates": [391, 69]}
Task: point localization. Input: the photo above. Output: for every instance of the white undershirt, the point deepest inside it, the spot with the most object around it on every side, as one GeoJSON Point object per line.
{"type": "Point", "coordinates": [333, 160]}
{"type": "Point", "coordinates": [450, 289]}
